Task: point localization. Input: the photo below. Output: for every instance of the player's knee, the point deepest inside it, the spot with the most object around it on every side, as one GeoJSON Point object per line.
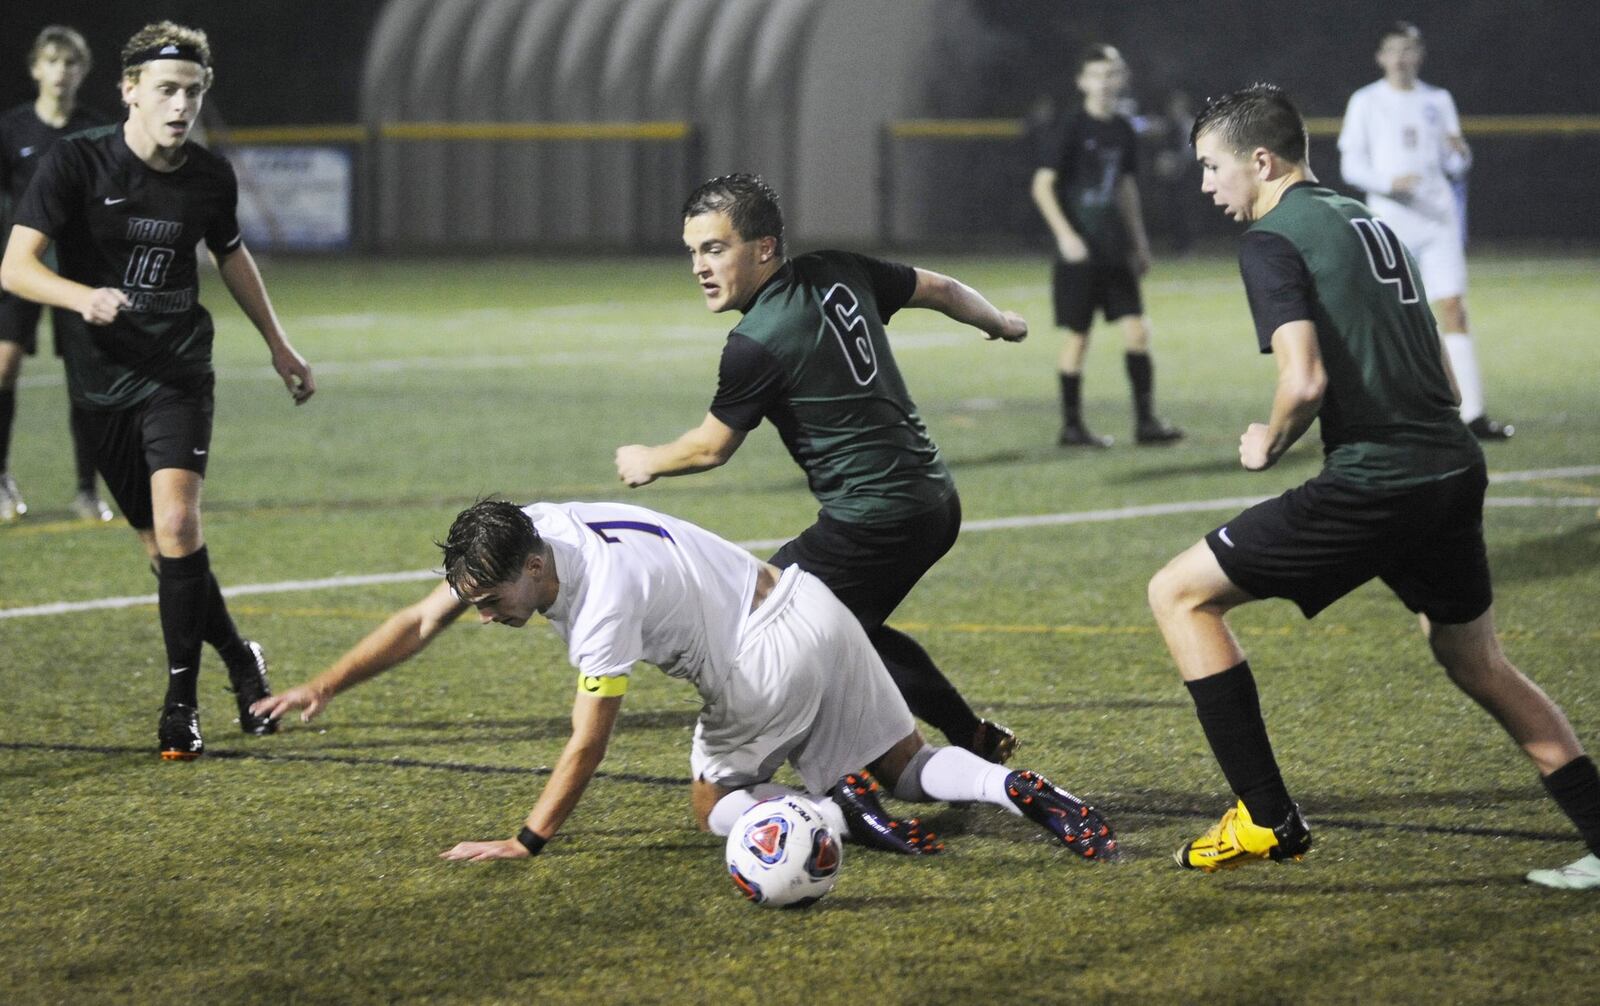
{"type": "Point", "coordinates": [177, 531]}
{"type": "Point", "coordinates": [1166, 591]}
{"type": "Point", "coordinates": [1136, 336]}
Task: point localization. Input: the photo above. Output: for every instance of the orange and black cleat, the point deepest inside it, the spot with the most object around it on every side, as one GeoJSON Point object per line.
{"type": "Point", "coordinates": [857, 794]}
{"type": "Point", "coordinates": [1074, 823]}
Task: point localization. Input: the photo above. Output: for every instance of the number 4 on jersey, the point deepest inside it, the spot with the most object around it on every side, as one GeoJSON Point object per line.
{"type": "Point", "coordinates": [1387, 256]}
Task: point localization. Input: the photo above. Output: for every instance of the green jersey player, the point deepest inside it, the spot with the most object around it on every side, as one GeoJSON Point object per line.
{"type": "Point", "coordinates": [811, 355]}
{"type": "Point", "coordinates": [1337, 301]}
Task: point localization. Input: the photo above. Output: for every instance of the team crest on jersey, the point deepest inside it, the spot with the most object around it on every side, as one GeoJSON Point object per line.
{"type": "Point", "coordinates": [767, 838]}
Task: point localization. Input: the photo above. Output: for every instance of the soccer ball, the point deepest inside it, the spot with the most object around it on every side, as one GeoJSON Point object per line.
{"type": "Point", "coordinates": [782, 854]}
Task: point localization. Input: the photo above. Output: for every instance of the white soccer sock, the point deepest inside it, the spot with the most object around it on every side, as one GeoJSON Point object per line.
{"type": "Point", "coordinates": [728, 810]}
{"type": "Point", "coordinates": [1464, 361]}
{"type": "Point", "coordinates": [731, 806]}
{"type": "Point", "coordinates": [955, 775]}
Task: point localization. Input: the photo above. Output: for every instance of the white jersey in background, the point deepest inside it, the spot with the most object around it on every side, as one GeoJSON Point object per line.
{"type": "Point", "coordinates": [640, 585]}
{"type": "Point", "coordinates": [1389, 133]}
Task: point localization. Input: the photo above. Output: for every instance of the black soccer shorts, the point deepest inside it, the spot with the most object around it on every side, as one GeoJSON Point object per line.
{"type": "Point", "coordinates": [19, 322]}
{"type": "Point", "coordinates": [170, 429]}
{"type": "Point", "coordinates": [1323, 539]}
{"type": "Point", "coordinates": [1079, 288]}
{"type": "Point", "coordinates": [872, 567]}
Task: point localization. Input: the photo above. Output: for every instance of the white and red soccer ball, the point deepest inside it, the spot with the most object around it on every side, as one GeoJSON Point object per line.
{"type": "Point", "coordinates": [782, 854]}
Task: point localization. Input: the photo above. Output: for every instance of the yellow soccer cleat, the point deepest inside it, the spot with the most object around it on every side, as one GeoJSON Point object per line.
{"type": "Point", "coordinates": [1236, 840]}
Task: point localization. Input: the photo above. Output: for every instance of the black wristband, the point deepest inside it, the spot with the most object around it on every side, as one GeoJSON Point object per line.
{"type": "Point", "coordinates": [531, 840]}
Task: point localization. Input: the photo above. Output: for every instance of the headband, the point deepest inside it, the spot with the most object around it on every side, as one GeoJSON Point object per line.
{"type": "Point", "coordinates": [167, 50]}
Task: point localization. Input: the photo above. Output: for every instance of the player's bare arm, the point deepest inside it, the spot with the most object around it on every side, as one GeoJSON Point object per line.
{"type": "Point", "coordinates": [593, 720]}
{"type": "Point", "coordinates": [24, 274]}
{"type": "Point", "coordinates": [243, 279]}
{"type": "Point", "coordinates": [1068, 241]}
{"type": "Point", "coordinates": [1132, 212]}
{"type": "Point", "coordinates": [703, 448]}
{"type": "Point", "coordinates": [960, 302]}
{"type": "Point", "coordinates": [1301, 383]}
{"type": "Point", "coordinates": [402, 636]}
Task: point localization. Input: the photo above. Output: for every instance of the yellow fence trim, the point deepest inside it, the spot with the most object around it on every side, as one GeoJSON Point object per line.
{"type": "Point", "coordinates": [534, 130]}
{"type": "Point", "coordinates": [1324, 126]}
{"type": "Point", "coordinates": [956, 129]}
{"type": "Point", "coordinates": [291, 134]}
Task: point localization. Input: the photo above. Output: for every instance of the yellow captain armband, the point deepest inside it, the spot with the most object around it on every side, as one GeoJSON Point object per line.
{"type": "Point", "coordinates": [608, 687]}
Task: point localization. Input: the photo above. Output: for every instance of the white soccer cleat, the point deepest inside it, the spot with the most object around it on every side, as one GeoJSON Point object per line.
{"type": "Point", "coordinates": [90, 507]}
{"type": "Point", "coordinates": [1580, 876]}
{"type": "Point", "coordinates": [11, 505]}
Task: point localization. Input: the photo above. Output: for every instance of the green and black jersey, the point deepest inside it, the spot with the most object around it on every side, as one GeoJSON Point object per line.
{"type": "Point", "coordinates": [812, 356]}
{"type": "Point", "coordinates": [116, 222]}
{"type": "Point", "coordinates": [1388, 417]}
{"type": "Point", "coordinates": [1090, 156]}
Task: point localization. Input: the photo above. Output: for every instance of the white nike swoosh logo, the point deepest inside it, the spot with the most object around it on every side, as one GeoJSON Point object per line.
{"type": "Point", "coordinates": [178, 670]}
{"type": "Point", "coordinates": [113, 202]}
{"type": "Point", "coordinates": [199, 453]}
{"type": "Point", "coordinates": [1223, 534]}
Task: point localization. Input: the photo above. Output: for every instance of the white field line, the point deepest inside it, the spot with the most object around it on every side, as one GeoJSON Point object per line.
{"type": "Point", "coordinates": [693, 343]}
{"type": "Point", "coordinates": [763, 544]}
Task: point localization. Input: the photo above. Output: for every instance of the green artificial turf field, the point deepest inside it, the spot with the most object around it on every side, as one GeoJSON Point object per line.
{"type": "Point", "coordinates": [302, 867]}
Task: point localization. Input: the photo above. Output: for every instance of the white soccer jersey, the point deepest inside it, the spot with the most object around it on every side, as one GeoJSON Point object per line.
{"type": "Point", "coordinates": [640, 585]}
{"type": "Point", "coordinates": [1389, 133]}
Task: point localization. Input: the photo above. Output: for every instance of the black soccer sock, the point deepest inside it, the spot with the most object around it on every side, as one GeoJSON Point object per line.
{"type": "Point", "coordinates": [1142, 378]}
{"type": "Point", "coordinates": [1230, 714]}
{"type": "Point", "coordinates": [8, 415]}
{"type": "Point", "coordinates": [1071, 399]}
{"type": "Point", "coordinates": [927, 691]}
{"type": "Point", "coordinates": [82, 452]}
{"type": "Point", "coordinates": [220, 631]}
{"type": "Point", "coordinates": [183, 594]}
{"type": "Point", "coordinates": [1575, 787]}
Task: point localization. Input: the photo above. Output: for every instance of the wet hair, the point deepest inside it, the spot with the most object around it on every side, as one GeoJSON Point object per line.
{"type": "Point", "coordinates": [1096, 52]}
{"type": "Point", "coordinates": [1400, 29]}
{"type": "Point", "coordinates": [1260, 115]}
{"type": "Point", "coordinates": [61, 37]}
{"type": "Point", "coordinates": [749, 202]}
{"type": "Point", "coordinates": [164, 33]}
{"type": "Point", "coordinates": [487, 545]}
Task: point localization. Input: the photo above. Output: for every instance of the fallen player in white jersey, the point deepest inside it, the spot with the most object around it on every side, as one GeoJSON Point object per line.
{"type": "Point", "coordinates": [784, 669]}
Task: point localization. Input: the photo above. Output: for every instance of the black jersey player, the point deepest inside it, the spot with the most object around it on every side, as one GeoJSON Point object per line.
{"type": "Point", "coordinates": [124, 207]}
{"type": "Point", "coordinates": [58, 61]}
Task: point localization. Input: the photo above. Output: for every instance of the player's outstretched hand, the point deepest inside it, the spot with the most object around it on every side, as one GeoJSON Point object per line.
{"type": "Point", "coordinates": [474, 852]}
{"type": "Point", "coordinates": [1253, 447]}
{"type": "Point", "coordinates": [633, 465]}
{"type": "Point", "coordinates": [1013, 328]}
{"type": "Point", "coordinates": [296, 374]}
{"type": "Point", "coordinates": [103, 304]}
{"type": "Point", "coordinates": [308, 700]}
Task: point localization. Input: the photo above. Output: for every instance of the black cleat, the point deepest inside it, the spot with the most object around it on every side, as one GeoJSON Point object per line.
{"type": "Point", "coordinates": [870, 825]}
{"type": "Point", "coordinates": [1485, 428]}
{"type": "Point", "coordinates": [179, 733]}
{"type": "Point", "coordinates": [1074, 823]}
{"type": "Point", "coordinates": [1154, 430]}
{"type": "Point", "coordinates": [1077, 435]}
{"type": "Point", "coordinates": [993, 742]}
{"type": "Point", "coordinates": [248, 682]}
